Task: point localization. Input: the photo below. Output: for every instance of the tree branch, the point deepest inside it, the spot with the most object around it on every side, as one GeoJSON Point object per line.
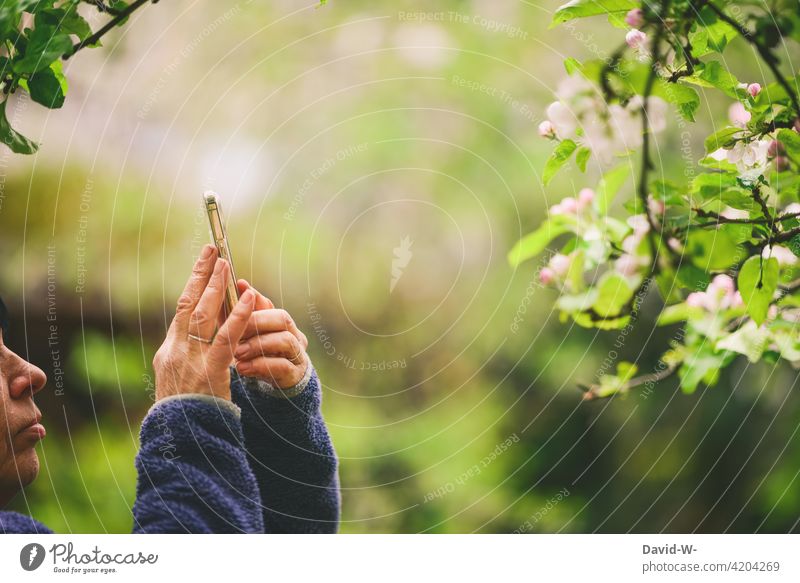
{"type": "Point", "coordinates": [120, 16]}
{"type": "Point", "coordinates": [765, 53]}
{"type": "Point", "coordinates": [592, 392]}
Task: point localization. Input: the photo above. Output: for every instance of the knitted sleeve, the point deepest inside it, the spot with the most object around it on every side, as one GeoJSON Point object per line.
{"type": "Point", "coordinates": [193, 474]}
{"type": "Point", "coordinates": [291, 454]}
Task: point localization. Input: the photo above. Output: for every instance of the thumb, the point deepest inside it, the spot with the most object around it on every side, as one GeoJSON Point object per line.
{"type": "Point", "coordinates": [262, 301]}
{"type": "Point", "coordinates": [221, 351]}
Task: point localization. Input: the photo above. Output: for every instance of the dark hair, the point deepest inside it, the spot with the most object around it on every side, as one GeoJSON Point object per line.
{"type": "Point", "coordinates": [3, 317]}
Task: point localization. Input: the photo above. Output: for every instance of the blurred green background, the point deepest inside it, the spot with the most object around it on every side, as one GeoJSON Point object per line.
{"type": "Point", "coordinates": [334, 135]}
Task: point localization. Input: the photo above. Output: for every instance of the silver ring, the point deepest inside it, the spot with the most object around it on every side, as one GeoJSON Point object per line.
{"type": "Point", "coordinates": [203, 340]}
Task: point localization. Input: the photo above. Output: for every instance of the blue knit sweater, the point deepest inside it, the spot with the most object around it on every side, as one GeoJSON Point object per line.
{"type": "Point", "coordinates": [261, 463]}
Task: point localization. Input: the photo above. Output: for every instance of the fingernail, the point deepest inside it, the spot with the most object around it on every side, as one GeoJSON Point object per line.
{"type": "Point", "coordinates": [207, 251]}
{"type": "Point", "coordinates": [240, 351]}
{"type": "Point", "coordinates": [218, 267]}
{"type": "Point", "coordinates": [248, 297]}
{"type": "Point", "coordinates": [244, 367]}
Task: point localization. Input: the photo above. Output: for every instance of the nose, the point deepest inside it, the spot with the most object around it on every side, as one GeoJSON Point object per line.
{"type": "Point", "coordinates": [27, 379]}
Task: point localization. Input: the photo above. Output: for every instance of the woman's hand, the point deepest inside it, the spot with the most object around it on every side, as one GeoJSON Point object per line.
{"type": "Point", "coordinates": [272, 348]}
{"type": "Point", "coordinates": [194, 359]}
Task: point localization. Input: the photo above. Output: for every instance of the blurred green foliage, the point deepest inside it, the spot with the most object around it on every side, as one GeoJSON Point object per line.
{"type": "Point", "coordinates": [256, 109]}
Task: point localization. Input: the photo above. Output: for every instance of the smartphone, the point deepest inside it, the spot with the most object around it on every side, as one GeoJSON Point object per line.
{"type": "Point", "coordinates": [217, 224]}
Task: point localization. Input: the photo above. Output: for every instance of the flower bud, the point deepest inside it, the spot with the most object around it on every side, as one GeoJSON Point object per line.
{"type": "Point", "coordinates": [754, 89]}
{"type": "Point", "coordinates": [636, 39]}
{"type": "Point", "coordinates": [738, 115]}
{"type": "Point", "coordinates": [547, 129]}
{"type": "Point", "coordinates": [546, 276]}
{"type": "Point", "coordinates": [635, 18]}
{"type": "Point", "coordinates": [585, 197]}
{"type": "Point", "coordinates": [569, 206]}
{"type": "Point", "coordinates": [775, 149]}
{"type": "Point", "coordinates": [559, 264]}
{"type": "Point", "coordinates": [696, 300]}
{"type": "Point", "coordinates": [782, 164]}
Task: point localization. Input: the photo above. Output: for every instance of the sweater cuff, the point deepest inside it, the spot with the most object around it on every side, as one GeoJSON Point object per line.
{"type": "Point", "coordinates": [217, 402]}
{"type": "Point", "coordinates": [266, 388]}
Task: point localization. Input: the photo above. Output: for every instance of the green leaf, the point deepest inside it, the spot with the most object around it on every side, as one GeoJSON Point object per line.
{"type": "Point", "coordinates": [67, 20]}
{"type": "Point", "coordinates": [559, 157]}
{"type": "Point", "coordinates": [794, 245]}
{"type": "Point", "coordinates": [791, 141]}
{"type": "Point", "coordinates": [45, 45]}
{"type": "Point", "coordinates": [18, 143]}
{"type": "Point", "coordinates": [725, 138]}
{"type": "Point", "coordinates": [702, 366]}
{"type": "Point", "coordinates": [583, 8]}
{"type": "Point", "coordinates": [48, 86]}
{"type": "Point", "coordinates": [614, 293]}
{"type": "Point", "coordinates": [683, 97]}
{"type": "Point", "coordinates": [749, 340]}
{"type": "Point", "coordinates": [534, 243]}
{"type": "Point", "coordinates": [718, 76]}
{"type": "Point", "coordinates": [757, 282]}
{"type": "Point", "coordinates": [712, 250]}
{"type": "Point", "coordinates": [678, 313]}
{"type": "Point", "coordinates": [582, 158]}
{"type": "Point", "coordinates": [710, 34]}
{"type": "Point", "coordinates": [610, 185]}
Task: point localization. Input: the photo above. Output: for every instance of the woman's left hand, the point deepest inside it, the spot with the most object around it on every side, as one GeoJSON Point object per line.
{"type": "Point", "coordinates": [272, 348]}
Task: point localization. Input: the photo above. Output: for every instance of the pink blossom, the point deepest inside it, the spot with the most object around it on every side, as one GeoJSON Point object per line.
{"type": "Point", "coordinates": [724, 283]}
{"type": "Point", "coordinates": [754, 89]}
{"type": "Point", "coordinates": [569, 205]}
{"type": "Point", "coordinates": [738, 115]}
{"type": "Point", "coordinates": [635, 18]}
{"type": "Point", "coordinates": [629, 244]}
{"type": "Point", "coordinates": [636, 39]}
{"type": "Point", "coordinates": [627, 265]}
{"type": "Point", "coordinates": [736, 300]}
{"type": "Point", "coordinates": [585, 197]}
{"type": "Point", "coordinates": [563, 119]}
{"type": "Point", "coordinates": [547, 276]}
{"type": "Point", "coordinates": [775, 149]}
{"type": "Point", "coordinates": [559, 264]}
{"type": "Point", "coordinates": [656, 206]}
{"type": "Point", "coordinates": [640, 225]}
{"type": "Point", "coordinates": [696, 300]}
{"type": "Point", "coordinates": [547, 129]}
{"type": "Point", "coordinates": [734, 214]}
{"type": "Point", "coordinates": [782, 254]}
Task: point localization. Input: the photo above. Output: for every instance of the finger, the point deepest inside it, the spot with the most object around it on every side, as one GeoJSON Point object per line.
{"type": "Point", "coordinates": [203, 321]}
{"type": "Point", "coordinates": [201, 273]}
{"type": "Point", "coordinates": [274, 320]}
{"type": "Point", "coordinates": [262, 301]}
{"type": "Point", "coordinates": [278, 371]}
{"type": "Point", "coordinates": [277, 344]}
{"type": "Point", "coordinates": [221, 351]}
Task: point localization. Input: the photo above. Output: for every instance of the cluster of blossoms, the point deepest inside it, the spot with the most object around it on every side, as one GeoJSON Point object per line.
{"type": "Point", "coordinates": [752, 156]}
{"type": "Point", "coordinates": [721, 294]}
{"type": "Point", "coordinates": [581, 114]}
{"type": "Point", "coordinates": [596, 250]}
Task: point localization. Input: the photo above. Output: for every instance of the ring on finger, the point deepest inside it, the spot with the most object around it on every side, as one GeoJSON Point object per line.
{"type": "Point", "coordinates": [199, 339]}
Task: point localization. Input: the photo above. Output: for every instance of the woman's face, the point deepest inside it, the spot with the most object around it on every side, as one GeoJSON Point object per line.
{"type": "Point", "coordinates": [20, 429]}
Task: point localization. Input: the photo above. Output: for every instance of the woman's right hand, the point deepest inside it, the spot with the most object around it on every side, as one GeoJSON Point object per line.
{"type": "Point", "coordinates": [193, 359]}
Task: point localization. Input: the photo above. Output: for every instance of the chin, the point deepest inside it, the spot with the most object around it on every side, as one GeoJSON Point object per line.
{"type": "Point", "coordinates": [27, 467]}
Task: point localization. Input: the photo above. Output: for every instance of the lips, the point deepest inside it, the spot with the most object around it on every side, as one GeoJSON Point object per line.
{"type": "Point", "coordinates": [34, 429]}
